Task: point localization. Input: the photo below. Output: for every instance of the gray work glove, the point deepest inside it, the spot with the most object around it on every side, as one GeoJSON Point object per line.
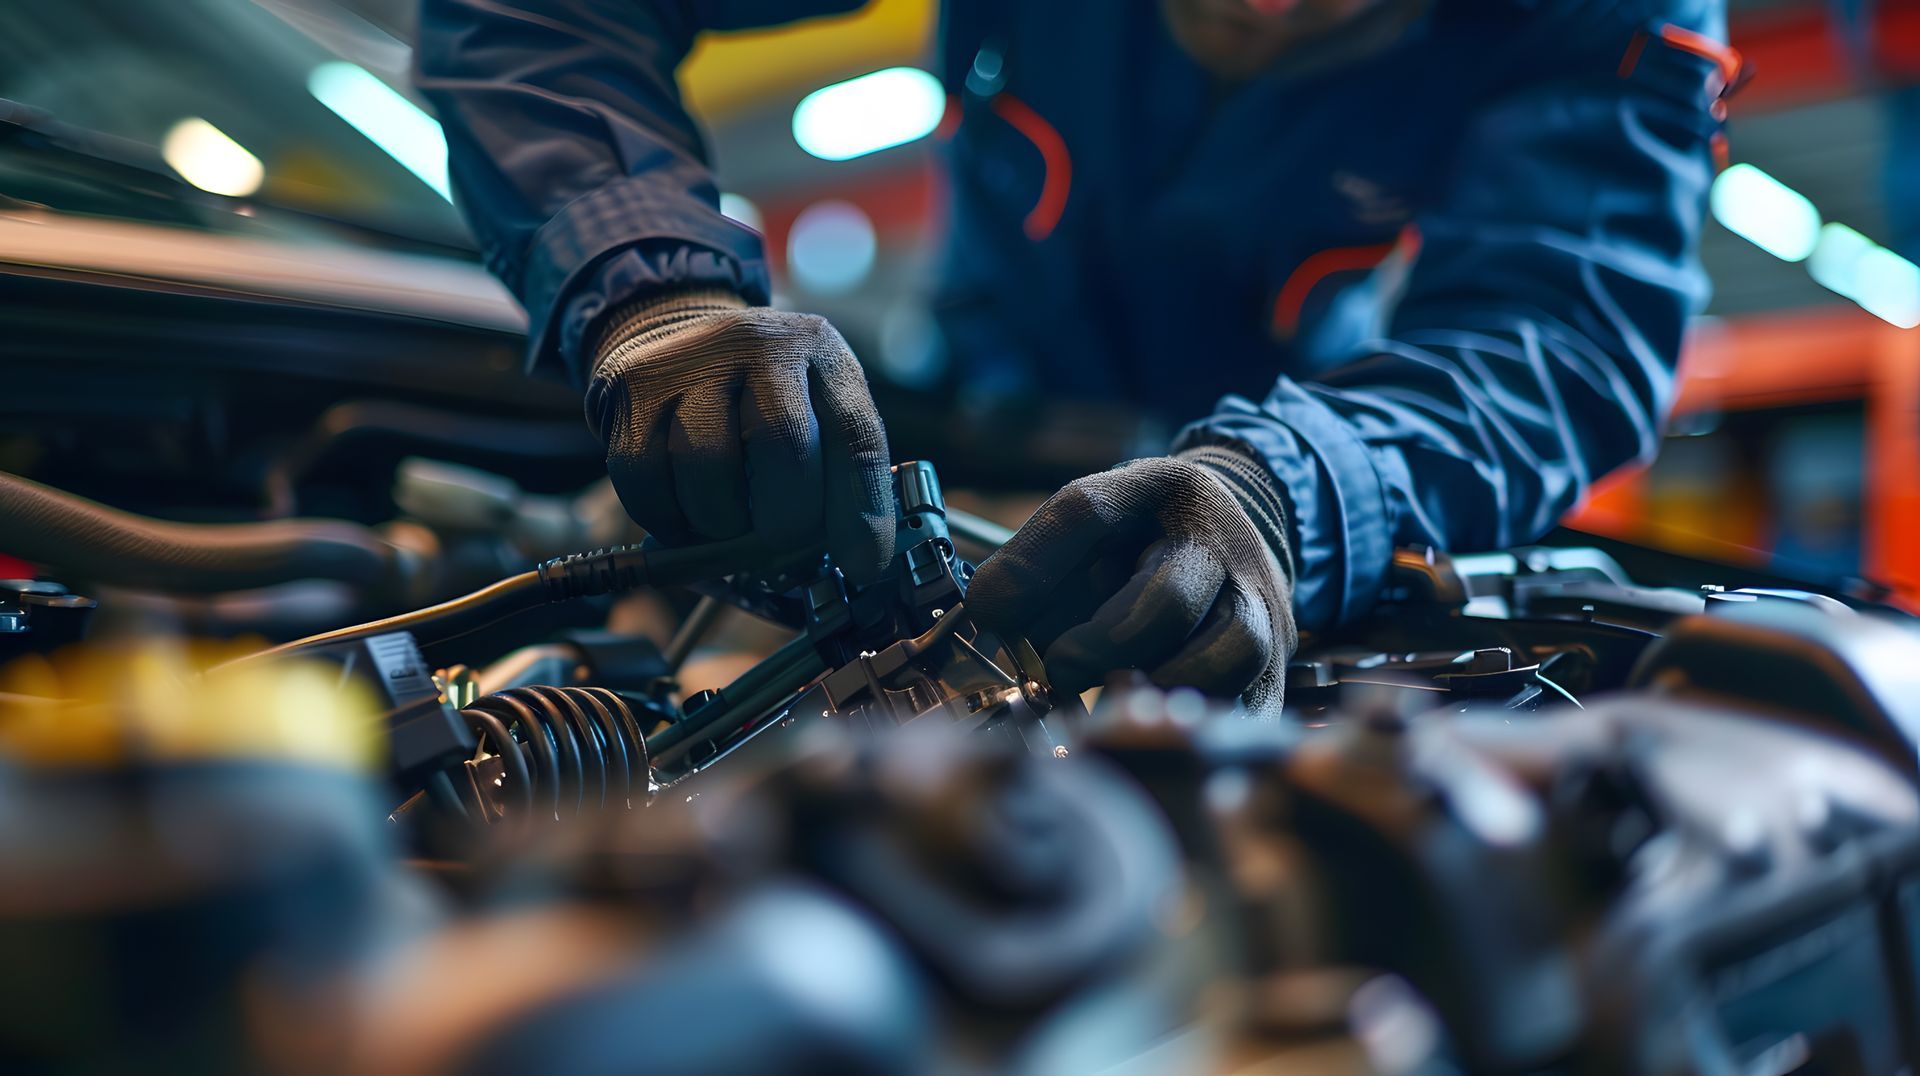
{"type": "Point", "coordinates": [722, 419]}
{"type": "Point", "coordinates": [1176, 565]}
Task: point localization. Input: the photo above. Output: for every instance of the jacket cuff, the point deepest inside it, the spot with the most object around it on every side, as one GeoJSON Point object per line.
{"type": "Point", "coordinates": [1336, 504]}
{"type": "Point", "coordinates": [620, 241]}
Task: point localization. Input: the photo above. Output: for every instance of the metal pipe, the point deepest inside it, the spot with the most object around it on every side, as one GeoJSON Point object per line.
{"type": "Point", "coordinates": [978, 530]}
{"type": "Point", "coordinates": [692, 630]}
{"type": "Point", "coordinates": [785, 672]}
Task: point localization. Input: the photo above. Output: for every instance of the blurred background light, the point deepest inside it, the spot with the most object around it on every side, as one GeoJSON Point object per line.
{"type": "Point", "coordinates": [1885, 284]}
{"type": "Point", "coordinates": [387, 119]}
{"type": "Point", "coordinates": [870, 113]}
{"type": "Point", "coordinates": [830, 248]}
{"type": "Point", "coordinates": [912, 353]}
{"type": "Point", "coordinates": [1766, 212]}
{"type": "Point", "coordinates": [208, 158]}
{"type": "Point", "coordinates": [738, 208]}
{"type": "Point", "coordinates": [1835, 257]}
{"type": "Point", "coordinates": [1888, 287]}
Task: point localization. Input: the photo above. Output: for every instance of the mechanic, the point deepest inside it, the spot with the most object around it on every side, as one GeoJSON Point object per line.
{"type": "Point", "coordinates": [1153, 203]}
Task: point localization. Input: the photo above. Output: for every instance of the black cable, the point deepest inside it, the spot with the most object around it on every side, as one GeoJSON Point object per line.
{"type": "Point", "coordinates": [578, 575]}
{"type": "Point", "coordinates": [435, 623]}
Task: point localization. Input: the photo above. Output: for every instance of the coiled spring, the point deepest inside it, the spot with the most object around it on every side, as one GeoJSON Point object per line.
{"type": "Point", "coordinates": [557, 752]}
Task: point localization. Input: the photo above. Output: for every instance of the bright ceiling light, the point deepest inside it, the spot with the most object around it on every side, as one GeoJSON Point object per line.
{"type": "Point", "coordinates": [387, 119]}
{"type": "Point", "coordinates": [1766, 212]}
{"type": "Point", "coordinates": [1781, 221]}
{"type": "Point", "coordinates": [870, 113]}
{"type": "Point", "coordinates": [1888, 287]}
{"type": "Point", "coordinates": [1885, 284]}
{"type": "Point", "coordinates": [208, 158]}
{"type": "Point", "coordinates": [1836, 257]}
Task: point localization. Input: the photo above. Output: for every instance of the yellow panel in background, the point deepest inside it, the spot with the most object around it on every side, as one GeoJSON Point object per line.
{"type": "Point", "coordinates": [730, 72]}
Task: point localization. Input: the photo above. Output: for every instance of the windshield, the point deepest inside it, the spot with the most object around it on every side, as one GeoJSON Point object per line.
{"type": "Point", "coordinates": [290, 104]}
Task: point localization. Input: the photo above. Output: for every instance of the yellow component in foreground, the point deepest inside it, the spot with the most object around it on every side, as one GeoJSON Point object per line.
{"type": "Point", "coordinates": [114, 706]}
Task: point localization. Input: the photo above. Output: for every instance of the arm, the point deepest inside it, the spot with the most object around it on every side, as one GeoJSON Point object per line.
{"type": "Point", "coordinates": [1534, 348]}
{"type": "Point", "coordinates": [587, 184]}
{"type": "Point", "coordinates": [573, 158]}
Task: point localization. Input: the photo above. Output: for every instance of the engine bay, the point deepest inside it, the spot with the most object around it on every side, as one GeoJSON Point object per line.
{"type": "Point", "coordinates": [1532, 814]}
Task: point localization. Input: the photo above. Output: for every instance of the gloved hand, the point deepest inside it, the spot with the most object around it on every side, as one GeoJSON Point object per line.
{"type": "Point", "coordinates": [1176, 565]}
{"type": "Point", "coordinates": [722, 419]}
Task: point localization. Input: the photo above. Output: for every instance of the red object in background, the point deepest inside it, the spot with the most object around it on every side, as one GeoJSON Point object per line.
{"type": "Point", "coordinates": [1796, 54]}
{"type": "Point", "coordinates": [1806, 357]}
{"type": "Point", "coordinates": [15, 568]}
{"type": "Point", "coordinates": [898, 201]}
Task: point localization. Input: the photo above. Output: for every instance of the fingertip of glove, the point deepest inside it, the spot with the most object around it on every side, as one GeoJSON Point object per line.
{"type": "Point", "coordinates": [864, 551]}
{"type": "Point", "coordinates": [861, 573]}
{"type": "Point", "coordinates": [993, 595]}
{"type": "Point", "coordinates": [1067, 672]}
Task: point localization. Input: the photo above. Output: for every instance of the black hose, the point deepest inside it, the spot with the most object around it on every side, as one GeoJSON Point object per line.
{"type": "Point", "coordinates": [105, 545]}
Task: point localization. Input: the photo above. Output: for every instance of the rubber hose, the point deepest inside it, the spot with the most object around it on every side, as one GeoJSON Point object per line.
{"type": "Point", "coordinates": [105, 545]}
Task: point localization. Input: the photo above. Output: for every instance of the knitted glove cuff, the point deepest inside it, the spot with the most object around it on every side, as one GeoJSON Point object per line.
{"type": "Point", "coordinates": [657, 315]}
{"type": "Point", "coordinates": [1257, 492]}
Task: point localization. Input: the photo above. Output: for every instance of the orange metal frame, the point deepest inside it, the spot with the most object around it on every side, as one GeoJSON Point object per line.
{"type": "Point", "coordinates": [1779, 360]}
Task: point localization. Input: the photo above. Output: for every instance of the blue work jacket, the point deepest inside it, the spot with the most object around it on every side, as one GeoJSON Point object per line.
{"type": "Point", "coordinates": [1435, 272]}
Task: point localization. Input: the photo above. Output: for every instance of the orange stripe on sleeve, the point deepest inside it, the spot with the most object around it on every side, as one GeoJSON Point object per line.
{"type": "Point", "coordinates": [1045, 215]}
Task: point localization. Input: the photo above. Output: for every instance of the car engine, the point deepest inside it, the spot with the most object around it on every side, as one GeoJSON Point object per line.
{"type": "Point", "coordinates": [1531, 815]}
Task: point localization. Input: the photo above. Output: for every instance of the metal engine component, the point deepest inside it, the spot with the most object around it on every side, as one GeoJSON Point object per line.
{"type": "Point", "coordinates": [1704, 877]}
{"type": "Point", "coordinates": [580, 749]}
{"type": "Point", "coordinates": [1530, 817]}
{"type": "Point", "coordinates": [887, 653]}
{"type": "Point", "coordinates": [38, 616]}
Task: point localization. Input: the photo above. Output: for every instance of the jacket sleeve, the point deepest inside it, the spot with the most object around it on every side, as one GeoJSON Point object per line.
{"type": "Point", "coordinates": [1533, 349]}
{"type": "Point", "coordinates": [572, 157]}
